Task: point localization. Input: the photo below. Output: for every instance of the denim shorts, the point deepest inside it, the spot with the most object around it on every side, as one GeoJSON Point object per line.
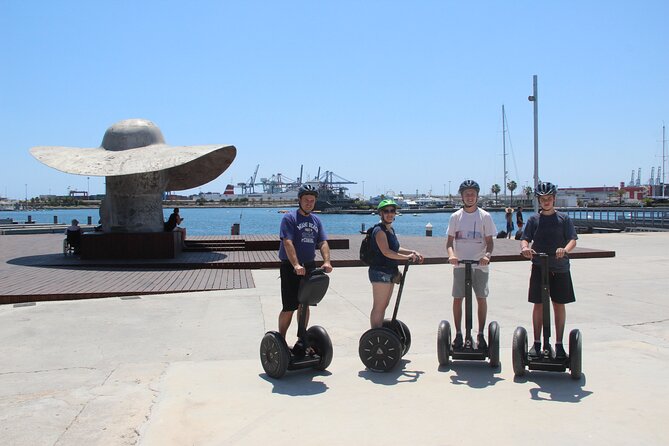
{"type": "Point", "coordinates": [378, 275]}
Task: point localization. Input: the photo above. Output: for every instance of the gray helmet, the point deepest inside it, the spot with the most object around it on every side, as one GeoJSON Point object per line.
{"type": "Point", "coordinates": [545, 189]}
{"type": "Point", "coordinates": [469, 184]}
{"type": "Point", "coordinates": [307, 189]}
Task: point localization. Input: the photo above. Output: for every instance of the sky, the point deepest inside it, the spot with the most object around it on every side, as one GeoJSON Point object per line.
{"type": "Point", "coordinates": [397, 96]}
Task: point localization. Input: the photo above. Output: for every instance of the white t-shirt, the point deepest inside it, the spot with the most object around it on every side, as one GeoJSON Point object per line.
{"type": "Point", "coordinates": [470, 231]}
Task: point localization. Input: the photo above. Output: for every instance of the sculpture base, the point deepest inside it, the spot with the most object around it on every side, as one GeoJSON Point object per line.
{"type": "Point", "coordinates": [130, 245]}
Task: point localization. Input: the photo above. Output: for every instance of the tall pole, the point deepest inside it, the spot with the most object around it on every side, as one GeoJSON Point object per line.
{"type": "Point", "coordinates": [535, 99]}
{"type": "Point", "coordinates": [504, 146]}
{"type": "Point", "coordinates": [664, 158]}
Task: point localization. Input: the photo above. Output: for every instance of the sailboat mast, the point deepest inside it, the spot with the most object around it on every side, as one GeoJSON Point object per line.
{"type": "Point", "coordinates": [664, 158]}
{"type": "Point", "coordinates": [504, 147]}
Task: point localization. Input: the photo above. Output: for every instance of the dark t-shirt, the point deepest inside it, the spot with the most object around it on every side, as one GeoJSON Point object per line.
{"type": "Point", "coordinates": [382, 262]}
{"type": "Point", "coordinates": [547, 233]}
{"type": "Point", "coordinates": [171, 222]}
{"type": "Point", "coordinates": [306, 233]}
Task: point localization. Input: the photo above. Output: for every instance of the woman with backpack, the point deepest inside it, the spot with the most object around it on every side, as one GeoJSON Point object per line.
{"type": "Point", "coordinates": [383, 270]}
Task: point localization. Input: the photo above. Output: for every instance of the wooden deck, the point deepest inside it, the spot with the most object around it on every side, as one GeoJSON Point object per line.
{"type": "Point", "coordinates": [33, 267]}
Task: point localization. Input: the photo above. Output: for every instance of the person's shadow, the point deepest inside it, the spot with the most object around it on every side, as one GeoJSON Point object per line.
{"type": "Point", "coordinates": [298, 383]}
{"type": "Point", "coordinates": [475, 374]}
{"type": "Point", "coordinates": [555, 386]}
{"type": "Point", "coordinates": [399, 374]}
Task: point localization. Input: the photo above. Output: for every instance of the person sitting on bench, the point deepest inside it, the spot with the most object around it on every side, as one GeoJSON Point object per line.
{"type": "Point", "coordinates": [172, 224]}
{"type": "Point", "coordinates": [73, 236]}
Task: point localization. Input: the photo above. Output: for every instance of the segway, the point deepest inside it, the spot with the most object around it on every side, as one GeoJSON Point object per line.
{"type": "Point", "coordinates": [467, 352]}
{"type": "Point", "coordinates": [380, 349]}
{"type": "Point", "coordinates": [546, 360]}
{"type": "Point", "coordinates": [314, 347]}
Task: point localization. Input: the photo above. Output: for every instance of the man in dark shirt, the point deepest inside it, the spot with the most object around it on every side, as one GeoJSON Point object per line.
{"type": "Point", "coordinates": [553, 233]}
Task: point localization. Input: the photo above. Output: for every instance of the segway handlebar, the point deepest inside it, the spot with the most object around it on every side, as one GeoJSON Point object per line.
{"type": "Point", "coordinates": [316, 272]}
{"type": "Point", "coordinates": [468, 262]}
{"type": "Point", "coordinates": [543, 254]}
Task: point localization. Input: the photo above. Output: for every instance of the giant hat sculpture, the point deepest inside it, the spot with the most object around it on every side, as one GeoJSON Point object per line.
{"type": "Point", "coordinates": [139, 167]}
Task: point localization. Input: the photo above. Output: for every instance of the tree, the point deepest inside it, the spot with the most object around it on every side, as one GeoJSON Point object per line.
{"type": "Point", "coordinates": [621, 193]}
{"type": "Point", "coordinates": [495, 190]}
{"type": "Point", "coordinates": [511, 185]}
{"type": "Point", "coordinates": [528, 191]}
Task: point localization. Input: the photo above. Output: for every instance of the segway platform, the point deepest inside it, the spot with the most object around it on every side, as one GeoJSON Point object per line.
{"type": "Point", "coordinates": [316, 346]}
{"type": "Point", "coordinates": [546, 359]}
{"type": "Point", "coordinates": [380, 349]}
{"type": "Point", "coordinates": [468, 351]}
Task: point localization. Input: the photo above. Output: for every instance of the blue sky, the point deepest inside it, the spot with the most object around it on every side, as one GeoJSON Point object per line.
{"type": "Point", "coordinates": [405, 96]}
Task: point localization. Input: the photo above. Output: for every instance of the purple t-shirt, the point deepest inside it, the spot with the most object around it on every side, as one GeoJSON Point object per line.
{"type": "Point", "coordinates": [306, 233]}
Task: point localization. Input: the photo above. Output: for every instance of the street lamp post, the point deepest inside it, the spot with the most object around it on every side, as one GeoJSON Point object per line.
{"type": "Point", "coordinates": [535, 100]}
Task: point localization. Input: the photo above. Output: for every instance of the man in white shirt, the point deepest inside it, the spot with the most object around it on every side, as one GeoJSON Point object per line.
{"type": "Point", "coordinates": [471, 231]}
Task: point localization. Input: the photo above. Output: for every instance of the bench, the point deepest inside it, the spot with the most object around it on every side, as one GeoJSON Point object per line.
{"type": "Point", "coordinates": [130, 245]}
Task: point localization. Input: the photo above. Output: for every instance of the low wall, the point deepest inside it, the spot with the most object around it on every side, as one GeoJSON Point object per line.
{"type": "Point", "coordinates": [137, 245]}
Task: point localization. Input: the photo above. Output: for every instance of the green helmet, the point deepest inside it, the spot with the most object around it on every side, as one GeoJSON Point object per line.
{"type": "Point", "coordinates": [386, 203]}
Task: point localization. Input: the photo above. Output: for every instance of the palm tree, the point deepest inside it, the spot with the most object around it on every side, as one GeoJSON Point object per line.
{"type": "Point", "coordinates": [511, 185]}
{"type": "Point", "coordinates": [528, 192]}
{"type": "Point", "coordinates": [621, 193]}
{"type": "Point", "coordinates": [495, 190]}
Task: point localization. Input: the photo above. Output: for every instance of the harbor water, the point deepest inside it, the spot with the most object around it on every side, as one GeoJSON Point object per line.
{"type": "Point", "coordinates": [218, 221]}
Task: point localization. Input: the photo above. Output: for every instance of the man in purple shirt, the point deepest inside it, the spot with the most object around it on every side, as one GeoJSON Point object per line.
{"type": "Point", "coordinates": [301, 233]}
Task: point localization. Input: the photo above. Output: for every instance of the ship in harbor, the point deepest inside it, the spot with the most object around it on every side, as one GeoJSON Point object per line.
{"type": "Point", "coordinates": [332, 190]}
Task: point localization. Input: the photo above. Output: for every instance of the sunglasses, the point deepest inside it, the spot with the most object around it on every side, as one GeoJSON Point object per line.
{"type": "Point", "coordinates": [389, 211]}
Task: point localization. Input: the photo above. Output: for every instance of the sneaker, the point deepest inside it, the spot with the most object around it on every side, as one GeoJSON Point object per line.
{"type": "Point", "coordinates": [559, 352]}
{"type": "Point", "coordinates": [535, 350]}
{"type": "Point", "coordinates": [482, 345]}
{"type": "Point", "coordinates": [457, 342]}
{"type": "Point", "coordinates": [298, 349]}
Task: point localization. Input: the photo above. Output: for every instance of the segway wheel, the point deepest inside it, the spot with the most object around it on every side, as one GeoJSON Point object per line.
{"type": "Point", "coordinates": [320, 341]}
{"type": "Point", "coordinates": [493, 343]}
{"type": "Point", "coordinates": [380, 349]}
{"type": "Point", "coordinates": [575, 345]}
{"type": "Point", "coordinates": [402, 332]}
{"type": "Point", "coordinates": [444, 343]}
{"type": "Point", "coordinates": [519, 351]}
{"type": "Point", "coordinates": [274, 354]}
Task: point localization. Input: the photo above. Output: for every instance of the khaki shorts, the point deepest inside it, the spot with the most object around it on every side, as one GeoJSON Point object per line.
{"type": "Point", "coordinates": [479, 282]}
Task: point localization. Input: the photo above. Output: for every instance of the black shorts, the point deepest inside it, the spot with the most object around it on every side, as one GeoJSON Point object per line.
{"type": "Point", "coordinates": [560, 287]}
{"type": "Point", "coordinates": [290, 284]}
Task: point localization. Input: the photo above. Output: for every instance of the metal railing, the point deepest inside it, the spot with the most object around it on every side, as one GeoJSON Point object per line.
{"type": "Point", "coordinates": [619, 218]}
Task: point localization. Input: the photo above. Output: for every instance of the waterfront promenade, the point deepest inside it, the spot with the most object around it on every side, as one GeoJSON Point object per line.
{"type": "Point", "coordinates": [183, 368]}
{"type": "Point", "coordinates": [33, 267]}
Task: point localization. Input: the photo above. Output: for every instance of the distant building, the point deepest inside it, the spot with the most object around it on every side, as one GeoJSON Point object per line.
{"type": "Point", "coordinates": [594, 196]}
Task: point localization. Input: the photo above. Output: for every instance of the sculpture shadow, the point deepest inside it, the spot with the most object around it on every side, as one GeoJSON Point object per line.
{"type": "Point", "coordinates": [74, 262]}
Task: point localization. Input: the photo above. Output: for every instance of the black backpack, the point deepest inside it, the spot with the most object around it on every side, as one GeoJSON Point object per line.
{"type": "Point", "coordinates": [367, 251]}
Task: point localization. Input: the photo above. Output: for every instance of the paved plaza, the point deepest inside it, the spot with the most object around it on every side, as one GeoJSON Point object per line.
{"type": "Point", "coordinates": [183, 369]}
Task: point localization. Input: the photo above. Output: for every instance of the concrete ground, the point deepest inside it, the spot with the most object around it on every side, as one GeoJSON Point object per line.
{"type": "Point", "coordinates": [184, 368]}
